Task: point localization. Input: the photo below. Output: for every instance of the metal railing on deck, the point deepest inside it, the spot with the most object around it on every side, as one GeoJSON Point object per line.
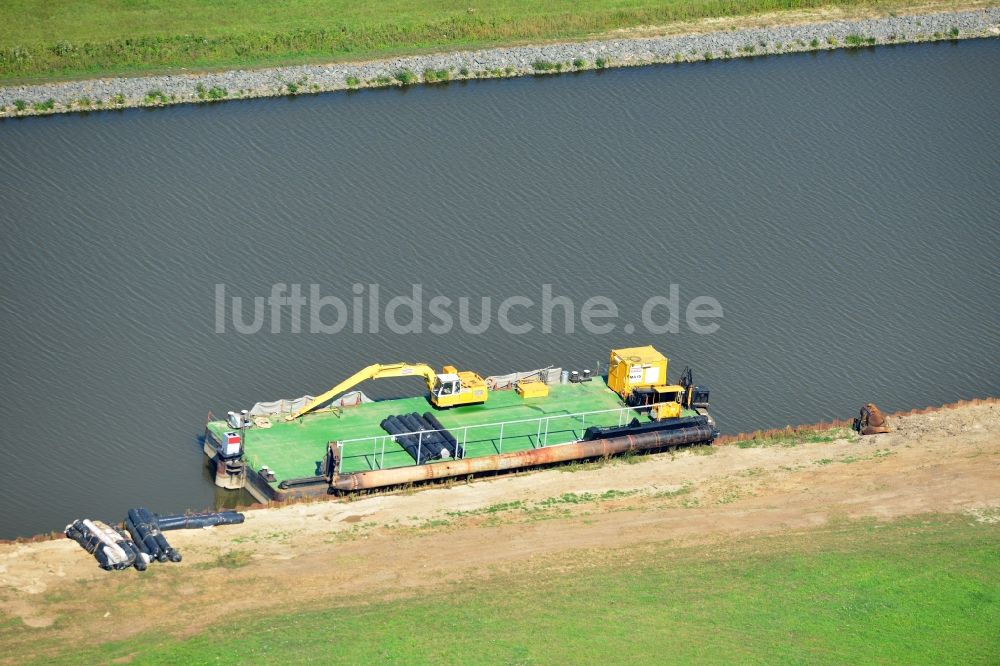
{"type": "Point", "coordinates": [373, 448]}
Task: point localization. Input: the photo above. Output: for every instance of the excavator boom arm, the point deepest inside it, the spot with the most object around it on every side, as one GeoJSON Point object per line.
{"type": "Point", "coordinates": [374, 371]}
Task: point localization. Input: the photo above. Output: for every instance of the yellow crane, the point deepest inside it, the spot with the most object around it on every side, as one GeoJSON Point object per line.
{"type": "Point", "coordinates": [448, 388]}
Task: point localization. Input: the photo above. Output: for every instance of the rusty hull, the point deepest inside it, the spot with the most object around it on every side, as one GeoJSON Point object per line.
{"type": "Point", "coordinates": [520, 459]}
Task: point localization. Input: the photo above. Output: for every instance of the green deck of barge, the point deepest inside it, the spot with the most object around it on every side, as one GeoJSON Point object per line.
{"type": "Point", "coordinates": [294, 449]}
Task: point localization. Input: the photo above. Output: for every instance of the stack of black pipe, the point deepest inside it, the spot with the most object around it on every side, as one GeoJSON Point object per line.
{"type": "Point", "coordinates": [193, 521]}
{"type": "Point", "coordinates": [425, 437]}
{"type": "Point", "coordinates": [416, 434]}
{"type": "Point", "coordinates": [111, 548]}
{"type": "Point", "coordinates": [140, 562]}
{"type": "Point", "coordinates": [142, 540]}
{"type": "Point", "coordinates": [145, 531]}
{"type": "Point", "coordinates": [457, 451]}
{"type": "Point", "coordinates": [637, 428]}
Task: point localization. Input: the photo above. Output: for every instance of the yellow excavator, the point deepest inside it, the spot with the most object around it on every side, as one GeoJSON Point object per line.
{"type": "Point", "coordinates": [448, 388]}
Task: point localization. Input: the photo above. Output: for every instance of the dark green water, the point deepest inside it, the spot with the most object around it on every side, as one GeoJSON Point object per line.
{"type": "Point", "coordinates": [842, 209]}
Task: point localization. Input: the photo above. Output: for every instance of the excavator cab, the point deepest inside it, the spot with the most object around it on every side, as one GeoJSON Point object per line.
{"type": "Point", "coordinates": [452, 388]}
{"type": "Point", "coordinates": [446, 384]}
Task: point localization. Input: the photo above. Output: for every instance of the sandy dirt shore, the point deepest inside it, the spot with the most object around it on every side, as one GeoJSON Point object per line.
{"type": "Point", "coordinates": [945, 461]}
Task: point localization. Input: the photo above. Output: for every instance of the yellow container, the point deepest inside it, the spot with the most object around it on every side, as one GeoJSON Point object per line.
{"type": "Point", "coordinates": [532, 388]}
{"type": "Point", "coordinates": [636, 367]}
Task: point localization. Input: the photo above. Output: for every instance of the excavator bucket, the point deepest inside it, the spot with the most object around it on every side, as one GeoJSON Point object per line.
{"type": "Point", "coordinates": [871, 421]}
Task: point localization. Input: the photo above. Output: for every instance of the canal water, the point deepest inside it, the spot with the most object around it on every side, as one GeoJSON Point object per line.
{"type": "Point", "coordinates": [840, 208]}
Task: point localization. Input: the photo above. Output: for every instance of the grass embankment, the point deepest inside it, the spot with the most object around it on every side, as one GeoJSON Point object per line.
{"type": "Point", "coordinates": [920, 590]}
{"type": "Point", "coordinates": [42, 40]}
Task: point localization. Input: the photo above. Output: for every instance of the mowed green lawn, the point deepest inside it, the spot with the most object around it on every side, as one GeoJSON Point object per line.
{"type": "Point", "coordinates": [50, 39]}
{"type": "Point", "coordinates": [916, 591]}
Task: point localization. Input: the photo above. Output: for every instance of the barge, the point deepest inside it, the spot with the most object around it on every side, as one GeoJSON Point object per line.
{"type": "Point", "coordinates": [341, 441]}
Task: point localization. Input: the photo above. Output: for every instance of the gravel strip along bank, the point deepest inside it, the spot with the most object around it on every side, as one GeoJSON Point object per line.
{"type": "Point", "coordinates": [146, 91]}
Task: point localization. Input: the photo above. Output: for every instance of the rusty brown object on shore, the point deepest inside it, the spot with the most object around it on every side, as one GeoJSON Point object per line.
{"type": "Point", "coordinates": [521, 459]}
{"type": "Point", "coordinates": [871, 421]}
